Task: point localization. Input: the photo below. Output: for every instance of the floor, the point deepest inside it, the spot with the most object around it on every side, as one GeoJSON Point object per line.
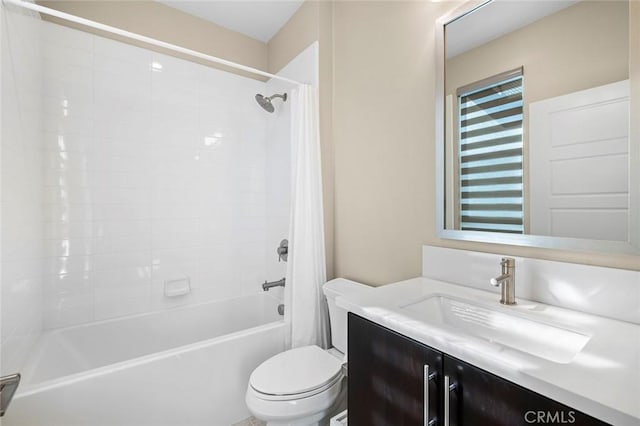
{"type": "Point", "coordinates": [251, 421]}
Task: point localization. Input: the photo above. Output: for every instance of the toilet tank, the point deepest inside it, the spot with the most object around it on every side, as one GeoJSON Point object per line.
{"type": "Point", "coordinates": [337, 315]}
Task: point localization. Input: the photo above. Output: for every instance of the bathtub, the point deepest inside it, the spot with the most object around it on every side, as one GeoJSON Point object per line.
{"type": "Point", "coordinates": [181, 367]}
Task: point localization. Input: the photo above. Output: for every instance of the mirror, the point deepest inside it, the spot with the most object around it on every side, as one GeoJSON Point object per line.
{"type": "Point", "coordinates": [535, 144]}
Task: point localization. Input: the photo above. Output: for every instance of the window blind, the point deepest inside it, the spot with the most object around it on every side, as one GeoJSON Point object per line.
{"type": "Point", "coordinates": [490, 155]}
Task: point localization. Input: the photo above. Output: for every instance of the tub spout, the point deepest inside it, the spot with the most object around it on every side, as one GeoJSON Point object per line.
{"type": "Point", "coordinates": [8, 386]}
{"type": "Point", "coordinates": [267, 285]}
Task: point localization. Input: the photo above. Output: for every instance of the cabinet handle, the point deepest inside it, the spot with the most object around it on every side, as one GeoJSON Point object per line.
{"type": "Point", "coordinates": [448, 388]}
{"type": "Point", "coordinates": [427, 377]}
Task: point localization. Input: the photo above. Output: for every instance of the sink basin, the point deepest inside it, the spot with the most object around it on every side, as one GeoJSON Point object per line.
{"type": "Point", "coordinates": [496, 326]}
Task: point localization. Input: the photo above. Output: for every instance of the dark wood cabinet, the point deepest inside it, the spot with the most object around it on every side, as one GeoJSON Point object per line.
{"type": "Point", "coordinates": [390, 377]}
{"type": "Point", "coordinates": [479, 398]}
{"type": "Point", "coordinates": [389, 385]}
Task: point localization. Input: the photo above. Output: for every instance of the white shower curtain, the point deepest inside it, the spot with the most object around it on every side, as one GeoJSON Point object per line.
{"type": "Point", "coordinates": [306, 311]}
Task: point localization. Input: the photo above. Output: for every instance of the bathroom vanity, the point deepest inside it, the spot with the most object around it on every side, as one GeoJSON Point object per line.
{"type": "Point", "coordinates": [395, 380]}
{"type": "Point", "coordinates": [442, 350]}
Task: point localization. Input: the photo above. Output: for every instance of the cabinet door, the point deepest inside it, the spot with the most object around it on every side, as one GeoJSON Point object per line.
{"type": "Point", "coordinates": [479, 398]}
{"type": "Point", "coordinates": [389, 377]}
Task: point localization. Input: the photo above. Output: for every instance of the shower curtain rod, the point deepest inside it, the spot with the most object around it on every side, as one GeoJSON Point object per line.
{"type": "Point", "coordinates": [148, 40]}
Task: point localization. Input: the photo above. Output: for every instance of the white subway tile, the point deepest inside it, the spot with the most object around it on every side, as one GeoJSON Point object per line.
{"type": "Point", "coordinates": [67, 316]}
{"type": "Point", "coordinates": [117, 306]}
{"type": "Point", "coordinates": [58, 35]}
{"type": "Point", "coordinates": [176, 68]}
{"type": "Point", "coordinates": [150, 175]}
{"type": "Point", "coordinates": [124, 52]}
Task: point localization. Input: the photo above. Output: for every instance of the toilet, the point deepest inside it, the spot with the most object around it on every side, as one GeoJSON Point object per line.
{"type": "Point", "coordinates": [306, 385]}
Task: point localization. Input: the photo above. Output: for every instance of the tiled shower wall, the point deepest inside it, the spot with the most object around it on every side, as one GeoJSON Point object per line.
{"type": "Point", "coordinates": [154, 170]}
{"type": "Point", "coordinates": [21, 190]}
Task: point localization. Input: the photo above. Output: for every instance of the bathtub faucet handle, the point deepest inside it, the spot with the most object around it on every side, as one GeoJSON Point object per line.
{"type": "Point", "coordinates": [283, 250]}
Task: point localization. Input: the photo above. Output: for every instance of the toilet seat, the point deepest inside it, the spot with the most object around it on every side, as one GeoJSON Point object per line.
{"type": "Point", "coordinates": [297, 396]}
{"type": "Point", "coordinates": [296, 373]}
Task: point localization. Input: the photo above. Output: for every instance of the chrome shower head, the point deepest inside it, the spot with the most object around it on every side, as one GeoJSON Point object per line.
{"type": "Point", "coordinates": [265, 101]}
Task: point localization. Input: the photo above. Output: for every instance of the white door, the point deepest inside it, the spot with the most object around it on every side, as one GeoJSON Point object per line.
{"type": "Point", "coordinates": [579, 164]}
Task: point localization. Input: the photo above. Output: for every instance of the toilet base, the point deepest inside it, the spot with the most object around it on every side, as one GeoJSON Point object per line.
{"type": "Point", "coordinates": [322, 418]}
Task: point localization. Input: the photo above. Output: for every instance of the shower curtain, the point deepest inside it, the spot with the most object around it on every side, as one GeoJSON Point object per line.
{"type": "Point", "coordinates": [306, 311]}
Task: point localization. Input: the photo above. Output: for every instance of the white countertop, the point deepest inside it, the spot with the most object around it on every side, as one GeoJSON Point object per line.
{"type": "Point", "coordinates": [603, 380]}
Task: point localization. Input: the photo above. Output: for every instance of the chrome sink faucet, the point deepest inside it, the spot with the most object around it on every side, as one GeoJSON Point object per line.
{"type": "Point", "coordinates": [507, 280]}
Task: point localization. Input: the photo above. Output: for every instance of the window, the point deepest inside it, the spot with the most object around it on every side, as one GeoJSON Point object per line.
{"type": "Point", "coordinates": [490, 154]}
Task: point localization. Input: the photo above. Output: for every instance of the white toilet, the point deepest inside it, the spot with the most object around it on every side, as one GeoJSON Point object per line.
{"type": "Point", "coordinates": [305, 386]}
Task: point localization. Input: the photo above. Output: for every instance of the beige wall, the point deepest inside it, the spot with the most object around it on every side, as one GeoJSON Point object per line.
{"type": "Point", "coordinates": [302, 29]}
{"type": "Point", "coordinates": [164, 23]}
{"type": "Point", "coordinates": [383, 136]}
{"type": "Point", "coordinates": [384, 91]}
{"type": "Point", "coordinates": [313, 21]}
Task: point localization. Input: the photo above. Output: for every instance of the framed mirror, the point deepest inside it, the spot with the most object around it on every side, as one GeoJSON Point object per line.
{"type": "Point", "coordinates": [535, 145]}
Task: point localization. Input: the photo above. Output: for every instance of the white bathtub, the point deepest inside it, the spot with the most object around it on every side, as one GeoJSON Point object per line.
{"type": "Point", "coordinates": [182, 367]}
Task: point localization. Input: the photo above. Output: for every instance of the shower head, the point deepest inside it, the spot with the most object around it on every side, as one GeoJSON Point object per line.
{"type": "Point", "coordinates": [265, 101]}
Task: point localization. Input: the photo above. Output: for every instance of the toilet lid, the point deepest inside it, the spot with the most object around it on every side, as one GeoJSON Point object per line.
{"type": "Point", "coordinates": [295, 371]}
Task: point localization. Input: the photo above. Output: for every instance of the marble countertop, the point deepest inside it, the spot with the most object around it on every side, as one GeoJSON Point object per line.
{"type": "Point", "coordinates": [602, 380]}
